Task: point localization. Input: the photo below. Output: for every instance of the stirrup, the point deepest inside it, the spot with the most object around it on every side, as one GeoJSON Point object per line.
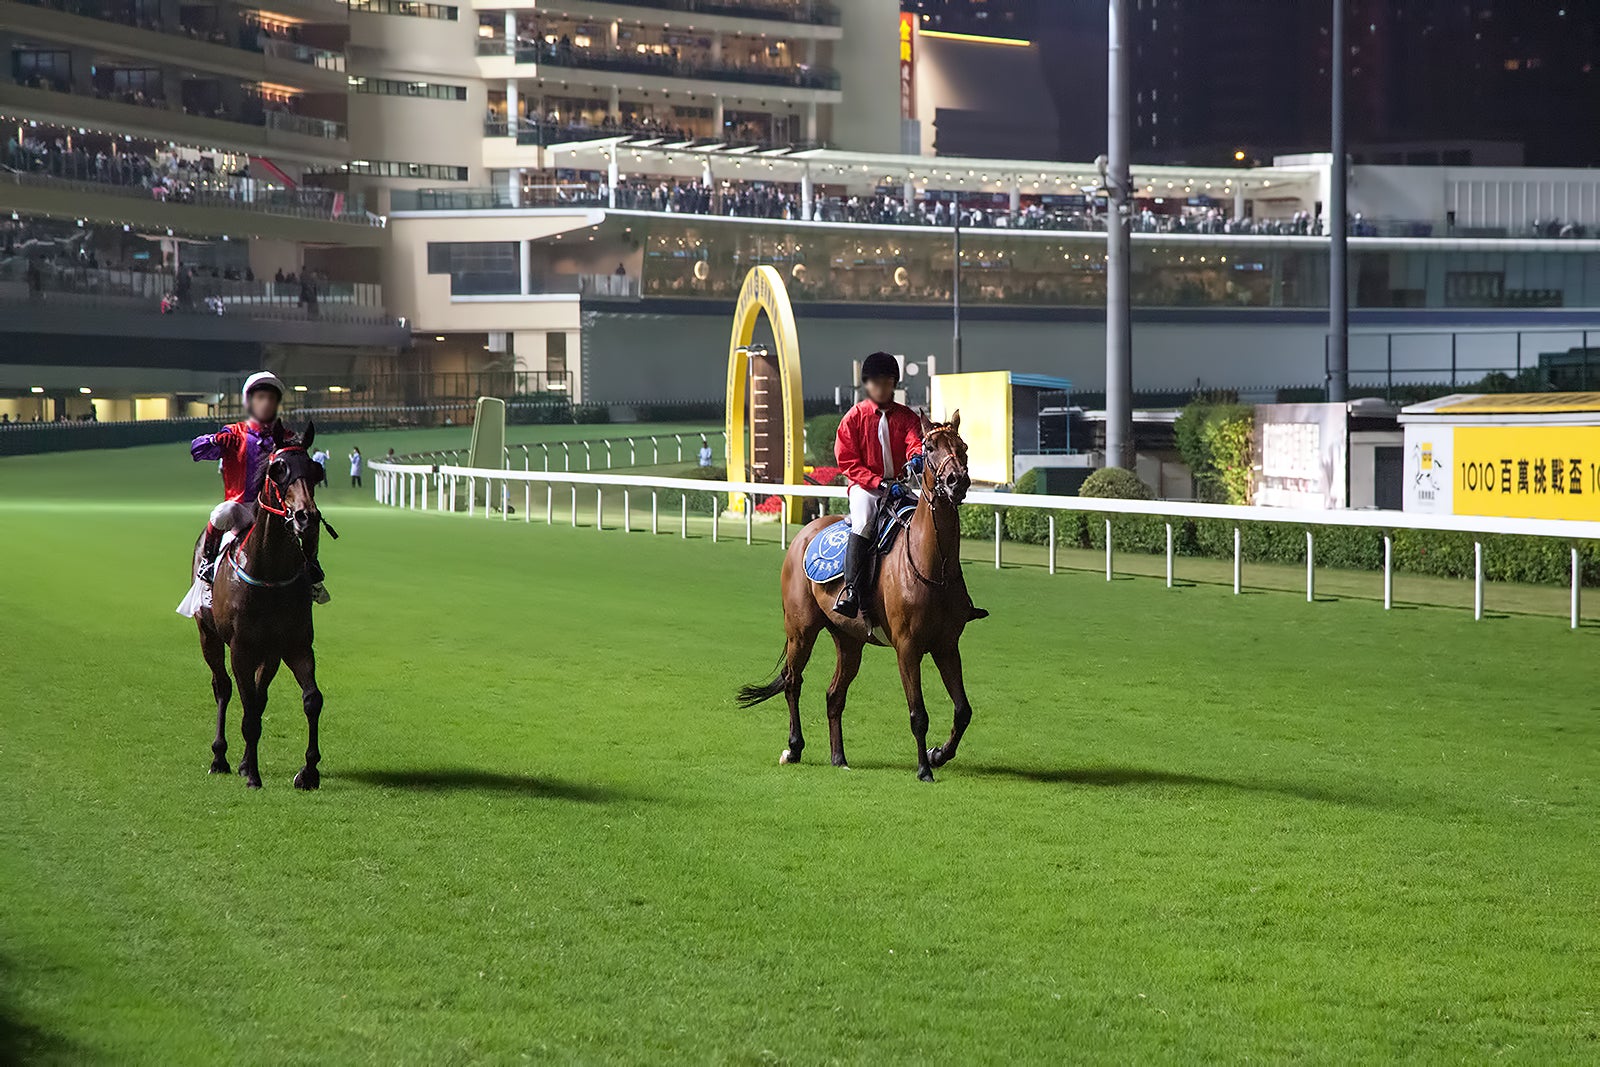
{"type": "Point", "coordinates": [848, 604]}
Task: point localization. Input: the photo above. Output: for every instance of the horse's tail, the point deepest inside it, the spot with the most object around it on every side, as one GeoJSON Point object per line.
{"type": "Point", "coordinates": [751, 695]}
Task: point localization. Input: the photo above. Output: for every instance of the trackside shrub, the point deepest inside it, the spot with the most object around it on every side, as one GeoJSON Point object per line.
{"type": "Point", "coordinates": [701, 502]}
{"type": "Point", "coordinates": [821, 430]}
{"type": "Point", "coordinates": [1214, 439]}
{"type": "Point", "coordinates": [1132, 533]}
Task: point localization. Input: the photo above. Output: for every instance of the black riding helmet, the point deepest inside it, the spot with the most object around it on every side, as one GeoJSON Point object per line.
{"type": "Point", "coordinates": [880, 365]}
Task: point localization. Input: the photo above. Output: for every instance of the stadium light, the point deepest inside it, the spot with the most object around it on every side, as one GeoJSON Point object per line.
{"type": "Point", "coordinates": [36, 389]}
{"type": "Point", "coordinates": [84, 389]}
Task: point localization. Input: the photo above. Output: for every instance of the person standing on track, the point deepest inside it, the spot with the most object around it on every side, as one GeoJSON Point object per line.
{"type": "Point", "coordinates": [355, 468]}
{"type": "Point", "coordinates": [244, 449]}
{"type": "Point", "coordinates": [877, 438]}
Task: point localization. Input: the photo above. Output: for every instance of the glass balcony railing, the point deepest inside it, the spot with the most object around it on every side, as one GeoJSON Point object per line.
{"type": "Point", "coordinates": [321, 58]}
{"type": "Point", "coordinates": [250, 111]}
{"type": "Point", "coordinates": [802, 11]}
{"type": "Point", "coordinates": [234, 194]}
{"type": "Point", "coordinates": [194, 24]}
{"type": "Point", "coordinates": [53, 284]}
{"type": "Point", "coordinates": [661, 65]}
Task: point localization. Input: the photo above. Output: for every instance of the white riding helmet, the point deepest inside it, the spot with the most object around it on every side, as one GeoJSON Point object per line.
{"type": "Point", "coordinates": [258, 380]}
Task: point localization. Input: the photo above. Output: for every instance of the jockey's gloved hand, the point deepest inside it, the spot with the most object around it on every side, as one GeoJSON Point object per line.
{"type": "Point", "coordinates": [914, 465]}
{"type": "Point", "coordinates": [897, 492]}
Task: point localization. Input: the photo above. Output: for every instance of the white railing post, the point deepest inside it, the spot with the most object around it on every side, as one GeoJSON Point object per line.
{"type": "Point", "coordinates": [1108, 548]}
{"type": "Point", "coordinates": [546, 449]}
{"type": "Point", "coordinates": [1052, 542]}
{"type": "Point", "coordinates": [783, 524]}
{"type": "Point", "coordinates": [996, 538]}
{"type": "Point", "coordinates": [472, 495]}
{"type": "Point", "coordinates": [627, 512]}
{"type": "Point", "coordinates": [609, 463]}
{"type": "Point", "coordinates": [655, 451]}
{"type": "Point", "coordinates": [716, 511]}
{"type": "Point", "coordinates": [1169, 555]}
{"type": "Point", "coordinates": [1238, 556]}
{"type": "Point", "coordinates": [424, 492]}
{"type": "Point", "coordinates": [1311, 554]}
{"type": "Point", "coordinates": [566, 455]}
{"type": "Point", "coordinates": [588, 457]}
{"type": "Point", "coordinates": [574, 507]}
{"type": "Point", "coordinates": [1477, 579]}
{"type": "Point", "coordinates": [599, 508]}
{"type": "Point", "coordinates": [683, 519]}
{"type": "Point", "coordinates": [549, 503]}
{"type": "Point", "coordinates": [679, 436]}
{"type": "Point", "coordinates": [749, 519]}
{"type": "Point", "coordinates": [527, 486]}
{"type": "Point", "coordinates": [1577, 586]}
{"type": "Point", "coordinates": [1388, 570]}
{"type": "Point", "coordinates": [633, 453]}
{"type": "Point", "coordinates": [655, 526]}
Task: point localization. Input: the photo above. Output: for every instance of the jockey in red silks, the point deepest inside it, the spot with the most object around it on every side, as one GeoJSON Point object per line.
{"type": "Point", "coordinates": [877, 438]}
{"type": "Point", "coordinates": [244, 449]}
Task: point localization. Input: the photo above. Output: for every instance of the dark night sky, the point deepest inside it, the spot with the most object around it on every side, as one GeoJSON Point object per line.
{"type": "Point", "coordinates": [1213, 75]}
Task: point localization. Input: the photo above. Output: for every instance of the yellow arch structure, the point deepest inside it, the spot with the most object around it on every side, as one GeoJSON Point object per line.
{"type": "Point", "coordinates": [763, 290]}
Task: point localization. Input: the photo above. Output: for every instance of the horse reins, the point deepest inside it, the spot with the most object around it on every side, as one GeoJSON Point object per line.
{"type": "Point", "coordinates": [934, 494]}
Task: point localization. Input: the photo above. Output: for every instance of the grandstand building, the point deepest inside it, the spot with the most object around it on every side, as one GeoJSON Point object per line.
{"type": "Point", "coordinates": [403, 203]}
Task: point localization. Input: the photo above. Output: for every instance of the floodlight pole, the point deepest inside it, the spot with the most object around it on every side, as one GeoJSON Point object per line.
{"type": "Point", "coordinates": [1338, 240]}
{"type": "Point", "coordinates": [955, 292]}
{"type": "Point", "coordinates": [1119, 209]}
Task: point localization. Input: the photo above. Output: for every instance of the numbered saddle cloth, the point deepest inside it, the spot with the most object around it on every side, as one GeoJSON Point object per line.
{"type": "Point", "coordinates": [825, 555]}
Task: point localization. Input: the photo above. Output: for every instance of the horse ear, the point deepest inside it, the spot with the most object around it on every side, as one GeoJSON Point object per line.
{"type": "Point", "coordinates": [955, 421]}
{"type": "Point", "coordinates": [927, 425]}
{"type": "Point", "coordinates": [310, 434]}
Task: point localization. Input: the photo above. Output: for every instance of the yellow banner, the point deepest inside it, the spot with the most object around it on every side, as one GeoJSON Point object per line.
{"type": "Point", "coordinates": [1533, 472]}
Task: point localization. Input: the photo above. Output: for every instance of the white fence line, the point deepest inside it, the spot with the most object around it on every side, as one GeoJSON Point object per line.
{"type": "Point", "coordinates": [407, 485]}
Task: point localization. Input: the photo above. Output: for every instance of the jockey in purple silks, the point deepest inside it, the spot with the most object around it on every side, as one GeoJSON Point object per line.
{"type": "Point", "coordinates": [244, 448]}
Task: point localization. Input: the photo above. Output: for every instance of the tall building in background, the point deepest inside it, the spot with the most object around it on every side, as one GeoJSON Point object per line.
{"type": "Point", "coordinates": [1430, 81]}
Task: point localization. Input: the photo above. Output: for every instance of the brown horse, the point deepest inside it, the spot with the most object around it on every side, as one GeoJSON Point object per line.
{"type": "Point", "coordinates": [919, 607]}
{"type": "Point", "coordinates": [260, 611]}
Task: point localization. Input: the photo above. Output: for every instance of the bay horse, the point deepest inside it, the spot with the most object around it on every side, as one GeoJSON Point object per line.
{"type": "Point", "coordinates": [919, 606]}
{"type": "Point", "coordinates": [260, 613]}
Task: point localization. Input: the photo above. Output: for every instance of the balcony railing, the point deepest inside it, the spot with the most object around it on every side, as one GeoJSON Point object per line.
{"type": "Point", "coordinates": [665, 66]}
{"type": "Point", "coordinates": [249, 113]}
{"type": "Point", "coordinates": [321, 58]}
{"type": "Point", "coordinates": [509, 283]}
{"type": "Point", "coordinates": [809, 12]}
{"type": "Point", "coordinates": [234, 194]}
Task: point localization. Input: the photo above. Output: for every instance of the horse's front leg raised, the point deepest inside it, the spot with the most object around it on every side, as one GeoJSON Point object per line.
{"type": "Point", "coordinates": [216, 654]}
{"type": "Point", "coordinates": [911, 678]}
{"type": "Point", "coordinates": [949, 664]}
{"type": "Point", "coordinates": [304, 668]}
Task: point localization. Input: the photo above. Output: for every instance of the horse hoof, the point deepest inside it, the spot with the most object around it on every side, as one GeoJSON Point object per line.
{"type": "Point", "coordinates": [308, 778]}
{"type": "Point", "coordinates": [936, 757]}
{"type": "Point", "coordinates": [251, 778]}
{"type": "Point", "coordinates": [786, 756]}
{"type": "Point", "coordinates": [220, 766]}
{"type": "Point", "coordinates": [925, 774]}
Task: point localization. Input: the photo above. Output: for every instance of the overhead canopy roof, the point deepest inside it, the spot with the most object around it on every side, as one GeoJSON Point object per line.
{"type": "Point", "coordinates": [828, 166]}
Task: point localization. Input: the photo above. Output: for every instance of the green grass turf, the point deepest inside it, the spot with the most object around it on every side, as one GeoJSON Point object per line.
{"type": "Point", "coordinates": [1184, 825]}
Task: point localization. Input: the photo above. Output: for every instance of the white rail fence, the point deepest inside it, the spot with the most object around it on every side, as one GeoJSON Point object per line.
{"type": "Point", "coordinates": [599, 453]}
{"type": "Point", "coordinates": [430, 487]}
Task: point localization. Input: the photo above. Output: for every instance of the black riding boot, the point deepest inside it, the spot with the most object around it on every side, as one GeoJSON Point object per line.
{"type": "Point", "coordinates": [855, 559]}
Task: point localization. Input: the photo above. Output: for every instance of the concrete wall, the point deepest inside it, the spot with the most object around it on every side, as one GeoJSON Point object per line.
{"type": "Point", "coordinates": [869, 67]}
{"type": "Point", "coordinates": [643, 356]}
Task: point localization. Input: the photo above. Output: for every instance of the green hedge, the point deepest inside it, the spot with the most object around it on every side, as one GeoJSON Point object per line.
{"type": "Point", "coordinates": [820, 433]}
{"type": "Point", "coordinates": [701, 502]}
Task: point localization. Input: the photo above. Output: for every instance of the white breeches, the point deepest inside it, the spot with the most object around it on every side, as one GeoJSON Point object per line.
{"type": "Point", "coordinates": [232, 515]}
{"type": "Point", "coordinates": [863, 510]}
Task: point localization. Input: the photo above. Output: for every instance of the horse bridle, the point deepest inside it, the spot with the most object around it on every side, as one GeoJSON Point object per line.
{"type": "Point", "coordinates": [937, 492]}
{"type": "Point", "coordinates": [282, 510]}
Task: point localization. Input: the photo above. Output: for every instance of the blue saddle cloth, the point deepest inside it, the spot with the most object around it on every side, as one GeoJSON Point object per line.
{"type": "Point", "coordinates": [825, 555]}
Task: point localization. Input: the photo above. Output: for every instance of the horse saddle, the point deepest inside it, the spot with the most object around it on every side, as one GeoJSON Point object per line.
{"type": "Point", "coordinates": [824, 560]}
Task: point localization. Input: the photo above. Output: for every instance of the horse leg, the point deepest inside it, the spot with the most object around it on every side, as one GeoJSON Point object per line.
{"type": "Point", "coordinates": [949, 664]}
{"type": "Point", "coordinates": [216, 654]}
{"type": "Point", "coordinates": [253, 679]}
{"type": "Point", "coordinates": [796, 653]}
{"type": "Point", "coordinates": [911, 678]}
{"type": "Point", "coordinates": [304, 667]}
{"type": "Point", "coordinates": [844, 672]}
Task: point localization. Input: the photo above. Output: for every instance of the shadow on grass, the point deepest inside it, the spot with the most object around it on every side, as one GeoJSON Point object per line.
{"type": "Point", "coordinates": [21, 1041]}
{"type": "Point", "coordinates": [472, 780]}
{"type": "Point", "coordinates": [1113, 777]}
